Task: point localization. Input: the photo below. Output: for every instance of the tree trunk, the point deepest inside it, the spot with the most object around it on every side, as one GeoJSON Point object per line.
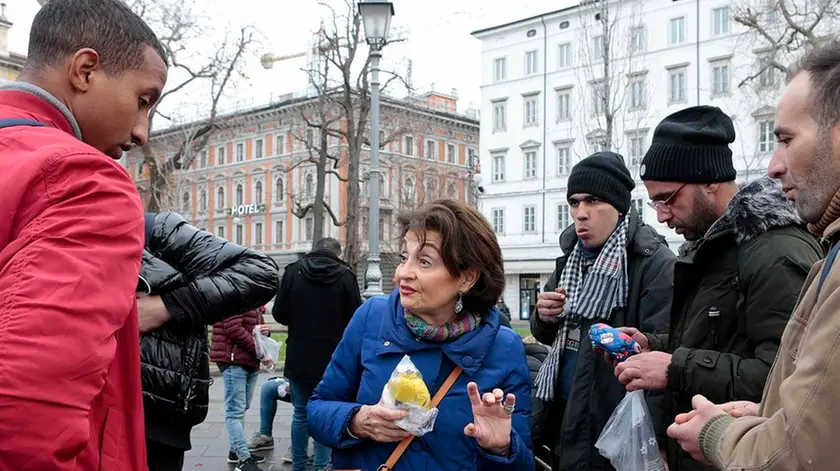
{"type": "Point", "coordinates": [608, 105]}
{"type": "Point", "coordinates": [321, 177]}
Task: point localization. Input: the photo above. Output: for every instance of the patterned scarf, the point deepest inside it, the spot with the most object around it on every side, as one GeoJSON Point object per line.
{"type": "Point", "coordinates": [595, 295]}
{"type": "Point", "coordinates": [466, 322]}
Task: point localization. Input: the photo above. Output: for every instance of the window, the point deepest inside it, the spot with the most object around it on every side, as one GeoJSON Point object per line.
{"type": "Point", "coordinates": [598, 144]}
{"type": "Point", "coordinates": [636, 144]}
{"type": "Point", "coordinates": [530, 164]}
{"type": "Point", "coordinates": [450, 153]}
{"type": "Point", "coordinates": [202, 160]}
{"type": "Point", "coordinates": [530, 62]}
{"type": "Point", "coordinates": [185, 202]}
{"type": "Point", "coordinates": [239, 236]}
{"type": "Point", "coordinates": [240, 194]}
{"type": "Point", "coordinates": [529, 219]}
{"type": "Point", "coordinates": [598, 47]}
{"type": "Point", "coordinates": [409, 193]}
{"type": "Point", "coordinates": [564, 160]}
{"type": "Point", "coordinates": [499, 220]}
{"type": "Point", "coordinates": [220, 198]}
{"type": "Point", "coordinates": [279, 197]}
{"type": "Point", "coordinates": [258, 192]}
{"type": "Point", "coordinates": [308, 227]}
{"type": "Point", "coordinates": [309, 185]}
{"type": "Point", "coordinates": [452, 190]}
{"type": "Point", "coordinates": [564, 105]}
{"type": "Point", "coordinates": [498, 167]}
{"type": "Point", "coordinates": [598, 97]}
{"type": "Point", "coordinates": [638, 98]}
{"type": "Point", "coordinates": [720, 17]}
{"type": "Point", "coordinates": [202, 200]}
{"type": "Point", "coordinates": [563, 219]}
{"type": "Point", "coordinates": [240, 152]}
{"type": "Point", "coordinates": [258, 233]}
{"type": "Point", "coordinates": [278, 231]}
{"type": "Point", "coordinates": [637, 39]}
{"type": "Point", "coordinates": [279, 144]}
{"type": "Point", "coordinates": [500, 116]}
{"type": "Point", "coordinates": [220, 231]}
{"type": "Point", "coordinates": [500, 69]}
{"type": "Point", "coordinates": [720, 78]}
{"type": "Point", "coordinates": [530, 110]}
{"type": "Point", "coordinates": [430, 150]}
{"type": "Point", "coordinates": [308, 137]}
{"type": "Point", "coordinates": [409, 146]}
{"type": "Point", "coordinates": [639, 204]}
{"type": "Point", "coordinates": [471, 158]}
{"type": "Point", "coordinates": [766, 138]}
{"type": "Point", "coordinates": [676, 85]}
{"type": "Point", "coordinates": [220, 155]}
{"type": "Point", "coordinates": [676, 30]}
{"type": "Point", "coordinates": [767, 73]}
{"type": "Point", "coordinates": [564, 55]}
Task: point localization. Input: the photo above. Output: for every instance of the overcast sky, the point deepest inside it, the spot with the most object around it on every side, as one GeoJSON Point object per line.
{"type": "Point", "coordinates": [437, 31]}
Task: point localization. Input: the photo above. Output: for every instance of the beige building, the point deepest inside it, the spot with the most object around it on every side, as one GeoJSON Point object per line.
{"type": "Point", "coordinates": [10, 63]}
{"type": "Point", "coordinates": [253, 174]}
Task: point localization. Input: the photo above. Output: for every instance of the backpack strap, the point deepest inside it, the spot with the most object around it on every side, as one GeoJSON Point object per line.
{"type": "Point", "coordinates": [10, 123]}
{"type": "Point", "coordinates": [150, 225]}
{"type": "Point", "coordinates": [826, 268]}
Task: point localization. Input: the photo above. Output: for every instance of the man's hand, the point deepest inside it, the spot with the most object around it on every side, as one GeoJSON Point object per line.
{"type": "Point", "coordinates": [550, 304]}
{"type": "Point", "coordinates": [152, 313]}
{"type": "Point", "coordinates": [265, 330]}
{"type": "Point", "coordinates": [644, 371]}
{"type": "Point", "coordinates": [268, 362]}
{"type": "Point", "coordinates": [635, 334]}
{"type": "Point", "coordinates": [377, 423]}
{"type": "Point", "coordinates": [687, 427]}
{"type": "Point", "coordinates": [740, 408]}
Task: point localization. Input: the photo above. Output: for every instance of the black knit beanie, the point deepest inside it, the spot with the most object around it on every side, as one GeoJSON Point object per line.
{"type": "Point", "coordinates": [691, 146]}
{"type": "Point", "coordinates": [603, 175]}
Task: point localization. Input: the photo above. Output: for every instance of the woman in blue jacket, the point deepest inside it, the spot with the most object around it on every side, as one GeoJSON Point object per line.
{"type": "Point", "coordinates": [442, 317]}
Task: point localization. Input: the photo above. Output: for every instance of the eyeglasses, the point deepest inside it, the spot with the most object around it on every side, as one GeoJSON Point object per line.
{"type": "Point", "coordinates": [664, 206]}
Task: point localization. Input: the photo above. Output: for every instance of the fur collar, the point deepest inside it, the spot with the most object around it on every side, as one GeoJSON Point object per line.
{"type": "Point", "coordinates": [757, 207]}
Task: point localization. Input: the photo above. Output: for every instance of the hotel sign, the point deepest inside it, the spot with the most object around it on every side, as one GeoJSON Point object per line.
{"type": "Point", "coordinates": [245, 210]}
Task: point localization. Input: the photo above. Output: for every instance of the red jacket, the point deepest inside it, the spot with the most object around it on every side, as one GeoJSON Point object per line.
{"type": "Point", "coordinates": [233, 339]}
{"type": "Point", "coordinates": [71, 240]}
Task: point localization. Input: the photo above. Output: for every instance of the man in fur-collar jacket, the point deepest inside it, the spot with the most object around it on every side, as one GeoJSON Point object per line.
{"type": "Point", "coordinates": [738, 276]}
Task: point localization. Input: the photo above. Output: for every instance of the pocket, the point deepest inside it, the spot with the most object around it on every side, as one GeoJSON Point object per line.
{"type": "Point", "coordinates": [793, 335]}
{"type": "Point", "coordinates": [112, 436]}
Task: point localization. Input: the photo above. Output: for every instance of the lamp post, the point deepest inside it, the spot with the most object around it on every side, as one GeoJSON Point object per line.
{"type": "Point", "coordinates": [376, 16]}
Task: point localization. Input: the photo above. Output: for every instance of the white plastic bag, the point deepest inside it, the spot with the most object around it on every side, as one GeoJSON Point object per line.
{"type": "Point", "coordinates": [267, 347]}
{"type": "Point", "coordinates": [406, 390]}
{"type": "Point", "coordinates": [628, 439]}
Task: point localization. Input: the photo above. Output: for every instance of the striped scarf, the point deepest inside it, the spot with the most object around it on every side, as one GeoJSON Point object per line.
{"type": "Point", "coordinates": [466, 322]}
{"type": "Point", "coordinates": [595, 295]}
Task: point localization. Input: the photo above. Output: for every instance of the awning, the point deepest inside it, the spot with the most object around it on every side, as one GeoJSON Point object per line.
{"type": "Point", "coordinates": [540, 267]}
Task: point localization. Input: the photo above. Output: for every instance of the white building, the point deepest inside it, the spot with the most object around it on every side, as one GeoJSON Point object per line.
{"type": "Point", "coordinates": [543, 110]}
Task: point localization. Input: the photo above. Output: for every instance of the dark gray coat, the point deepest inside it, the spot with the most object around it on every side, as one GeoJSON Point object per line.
{"type": "Point", "coordinates": [596, 392]}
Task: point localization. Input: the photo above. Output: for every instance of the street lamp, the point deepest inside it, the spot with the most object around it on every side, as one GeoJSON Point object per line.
{"type": "Point", "coordinates": [376, 16]}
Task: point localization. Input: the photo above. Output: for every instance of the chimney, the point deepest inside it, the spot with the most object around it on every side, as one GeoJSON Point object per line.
{"type": "Point", "coordinates": [5, 24]}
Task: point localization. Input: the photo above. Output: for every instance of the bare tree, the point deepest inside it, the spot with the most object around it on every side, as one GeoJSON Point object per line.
{"type": "Point", "coordinates": [211, 74]}
{"type": "Point", "coordinates": [780, 30]}
{"type": "Point", "coordinates": [610, 55]}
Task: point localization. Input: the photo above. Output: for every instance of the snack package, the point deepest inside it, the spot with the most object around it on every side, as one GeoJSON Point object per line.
{"type": "Point", "coordinates": [406, 390]}
{"type": "Point", "coordinates": [267, 347]}
{"type": "Point", "coordinates": [618, 344]}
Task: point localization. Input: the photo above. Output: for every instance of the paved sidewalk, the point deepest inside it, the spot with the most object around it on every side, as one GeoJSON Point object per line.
{"type": "Point", "coordinates": [210, 439]}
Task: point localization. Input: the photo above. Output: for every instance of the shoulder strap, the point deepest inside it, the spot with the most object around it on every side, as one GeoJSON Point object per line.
{"type": "Point", "coordinates": [150, 225]}
{"type": "Point", "coordinates": [398, 452]}
{"type": "Point", "coordinates": [8, 123]}
{"type": "Point", "coordinates": [826, 268]}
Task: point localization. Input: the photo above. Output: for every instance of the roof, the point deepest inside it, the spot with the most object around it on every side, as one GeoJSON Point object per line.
{"type": "Point", "coordinates": [523, 20]}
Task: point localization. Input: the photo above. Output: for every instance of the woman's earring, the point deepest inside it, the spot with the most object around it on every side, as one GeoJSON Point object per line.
{"type": "Point", "coordinates": [459, 303]}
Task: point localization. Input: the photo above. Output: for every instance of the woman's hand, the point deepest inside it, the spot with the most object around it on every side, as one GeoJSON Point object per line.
{"type": "Point", "coordinates": [377, 423]}
{"type": "Point", "coordinates": [491, 419]}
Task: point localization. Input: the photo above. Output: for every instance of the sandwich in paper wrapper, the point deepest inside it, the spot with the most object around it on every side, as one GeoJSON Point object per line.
{"type": "Point", "coordinates": [406, 390]}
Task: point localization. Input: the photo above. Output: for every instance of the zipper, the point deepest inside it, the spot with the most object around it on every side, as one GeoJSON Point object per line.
{"type": "Point", "coordinates": [714, 315]}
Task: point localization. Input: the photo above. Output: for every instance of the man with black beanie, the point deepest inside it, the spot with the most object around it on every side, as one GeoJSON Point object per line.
{"type": "Point", "coordinates": [738, 276]}
{"type": "Point", "coordinates": [616, 270]}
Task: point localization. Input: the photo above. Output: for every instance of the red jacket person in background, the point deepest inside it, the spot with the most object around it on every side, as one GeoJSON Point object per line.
{"type": "Point", "coordinates": [71, 239]}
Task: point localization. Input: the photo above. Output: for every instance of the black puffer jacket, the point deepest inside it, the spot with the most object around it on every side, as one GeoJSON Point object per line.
{"type": "Point", "coordinates": [201, 279]}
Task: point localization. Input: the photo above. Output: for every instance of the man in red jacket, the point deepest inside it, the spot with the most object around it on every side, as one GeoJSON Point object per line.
{"type": "Point", "coordinates": [71, 238]}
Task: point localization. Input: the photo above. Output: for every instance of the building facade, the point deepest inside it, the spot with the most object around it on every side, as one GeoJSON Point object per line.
{"type": "Point", "coordinates": [11, 63]}
{"type": "Point", "coordinates": [543, 86]}
{"type": "Point", "coordinates": [253, 176]}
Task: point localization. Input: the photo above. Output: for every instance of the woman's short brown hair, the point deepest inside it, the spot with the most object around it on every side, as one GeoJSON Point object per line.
{"type": "Point", "coordinates": [467, 241]}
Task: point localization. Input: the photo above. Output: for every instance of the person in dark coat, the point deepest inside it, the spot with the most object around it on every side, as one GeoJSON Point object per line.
{"type": "Point", "coordinates": [616, 270]}
{"type": "Point", "coordinates": [317, 297]}
{"type": "Point", "coordinates": [747, 255]}
{"type": "Point", "coordinates": [189, 279]}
